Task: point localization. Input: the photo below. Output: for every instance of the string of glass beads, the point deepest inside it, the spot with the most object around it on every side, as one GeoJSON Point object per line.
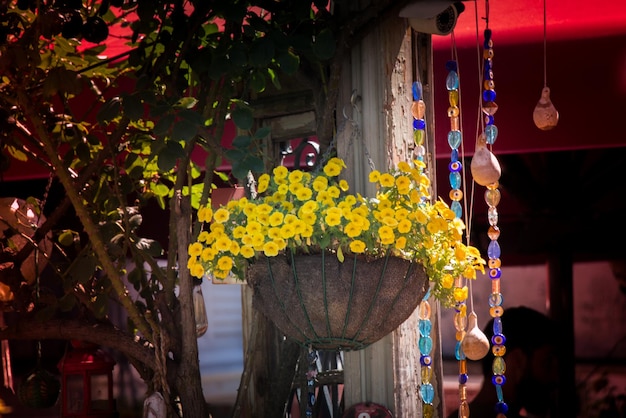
{"type": "Point", "coordinates": [492, 198]}
{"type": "Point", "coordinates": [425, 343]}
{"type": "Point", "coordinates": [418, 111]}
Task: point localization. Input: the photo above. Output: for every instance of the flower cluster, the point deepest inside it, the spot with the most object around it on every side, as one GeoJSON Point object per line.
{"type": "Point", "coordinates": [307, 213]}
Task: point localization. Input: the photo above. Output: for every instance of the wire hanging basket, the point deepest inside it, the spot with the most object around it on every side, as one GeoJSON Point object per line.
{"type": "Point", "coordinates": [330, 305]}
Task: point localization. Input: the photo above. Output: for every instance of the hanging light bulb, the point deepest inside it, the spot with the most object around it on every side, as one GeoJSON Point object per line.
{"type": "Point", "coordinates": [199, 309]}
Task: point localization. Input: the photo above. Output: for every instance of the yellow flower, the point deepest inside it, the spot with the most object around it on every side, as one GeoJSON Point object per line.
{"type": "Point", "coordinates": [208, 254]}
{"type": "Point", "coordinates": [239, 232]}
{"type": "Point", "coordinates": [343, 185]}
{"type": "Point", "coordinates": [247, 251]}
{"type": "Point", "coordinates": [320, 184]}
{"type": "Point", "coordinates": [287, 231]}
{"type": "Point", "coordinates": [223, 243]}
{"type": "Point", "coordinates": [195, 249]}
{"type": "Point", "coordinates": [280, 172]}
{"type": "Point", "coordinates": [333, 217]}
{"type": "Point", "coordinates": [276, 218]}
{"type": "Point", "coordinates": [403, 182]}
{"type": "Point", "coordinates": [196, 270]}
{"type": "Point", "coordinates": [386, 235]}
{"type": "Point", "coordinates": [404, 167]}
{"type": "Point", "coordinates": [205, 214]}
{"type": "Point", "coordinates": [447, 281]}
{"type": "Point", "coordinates": [401, 243]}
{"type": "Point", "coordinates": [404, 226]}
{"type": "Point", "coordinates": [270, 249]}
{"type": "Point", "coordinates": [263, 183]}
{"type": "Point", "coordinates": [304, 194]}
{"type": "Point", "coordinates": [374, 176]}
{"type": "Point", "coordinates": [221, 215]}
{"type": "Point", "coordinates": [387, 180]}
{"type": "Point", "coordinates": [225, 263]}
{"type": "Point", "coordinates": [460, 294]}
{"type": "Point", "coordinates": [353, 229]}
{"type": "Point", "coordinates": [203, 237]}
{"type": "Point", "coordinates": [331, 169]}
{"type": "Point", "coordinates": [357, 246]}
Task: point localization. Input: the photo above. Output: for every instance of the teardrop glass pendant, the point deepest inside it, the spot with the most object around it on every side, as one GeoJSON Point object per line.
{"type": "Point", "coordinates": [545, 114]}
{"type": "Point", "coordinates": [199, 311]}
{"type": "Point", "coordinates": [475, 343]}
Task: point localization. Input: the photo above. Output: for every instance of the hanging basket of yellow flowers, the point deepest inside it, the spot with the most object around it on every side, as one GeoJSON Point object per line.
{"type": "Point", "coordinates": [335, 270]}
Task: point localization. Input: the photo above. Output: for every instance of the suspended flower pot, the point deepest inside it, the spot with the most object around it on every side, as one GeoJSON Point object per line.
{"type": "Point", "coordinates": [329, 305]}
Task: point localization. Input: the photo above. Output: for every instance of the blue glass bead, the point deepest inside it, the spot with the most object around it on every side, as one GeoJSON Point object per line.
{"type": "Point", "coordinates": [309, 413]}
{"type": "Point", "coordinates": [498, 379]}
{"type": "Point", "coordinates": [427, 295]}
{"type": "Point", "coordinates": [426, 360]}
{"type": "Point", "coordinates": [455, 180]}
{"type": "Point", "coordinates": [498, 339]}
{"type": "Point", "coordinates": [495, 273]}
{"type": "Point", "coordinates": [419, 124]}
{"type": "Point", "coordinates": [491, 132]}
{"type": "Point", "coordinates": [417, 90]}
{"type": "Point", "coordinates": [500, 396]}
{"type": "Point", "coordinates": [425, 327]}
{"type": "Point", "coordinates": [454, 155]}
{"type": "Point", "coordinates": [455, 166]}
{"type": "Point", "coordinates": [488, 74]}
{"type": "Point", "coordinates": [425, 345]}
{"type": "Point", "coordinates": [489, 95]}
{"type": "Point", "coordinates": [487, 34]}
{"type": "Point", "coordinates": [502, 408]}
{"type": "Point", "coordinates": [452, 81]}
{"type": "Point", "coordinates": [457, 209]}
{"type": "Point", "coordinates": [451, 65]}
{"type": "Point", "coordinates": [497, 325]}
{"type": "Point", "coordinates": [489, 119]}
{"type": "Point", "coordinates": [487, 65]}
{"type": "Point", "coordinates": [428, 392]}
{"type": "Point", "coordinates": [459, 354]}
{"type": "Point", "coordinates": [311, 398]}
{"type": "Point", "coordinates": [455, 138]}
{"type": "Point", "coordinates": [463, 378]}
{"type": "Point", "coordinates": [493, 250]}
{"type": "Point", "coordinates": [310, 382]}
{"type": "Point", "coordinates": [495, 299]}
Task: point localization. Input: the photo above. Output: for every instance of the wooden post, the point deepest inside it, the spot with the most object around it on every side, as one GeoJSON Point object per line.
{"type": "Point", "coordinates": [378, 131]}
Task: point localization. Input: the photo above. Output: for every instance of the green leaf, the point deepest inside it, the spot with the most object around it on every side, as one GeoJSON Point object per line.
{"type": "Point", "coordinates": [262, 53]}
{"type": "Point", "coordinates": [110, 110]}
{"type": "Point", "coordinates": [187, 103]}
{"type": "Point", "coordinates": [242, 116]}
{"type": "Point", "coordinates": [340, 256]}
{"type": "Point", "coordinates": [242, 141]}
{"type": "Point", "coordinates": [135, 221]}
{"type": "Point", "coordinates": [288, 62]}
{"type": "Point", "coordinates": [184, 130]}
{"type": "Point", "coordinates": [16, 153]}
{"type": "Point", "coordinates": [324, 45]}
{"type": "Point", "coordinates": [163, 125]}
{"type": "Point", "coordinates": [262, 132]}
{"type": "Point", "coordinates": [235, 155]}
{"type": "Point", "coordinates": [160, 189]}
{"type": "Point", "coordinates": [82, 269]}
{"type": "Point", "coordinates": [150, 246]}
{"type": "Point", "coordinates": [192, 116]}
{"type": "Point", "coordinates": [133, 108]}
{"type": "Point", "coordinates": [66, 238]}
{"type": "Point", "coordinates": [257, 81]}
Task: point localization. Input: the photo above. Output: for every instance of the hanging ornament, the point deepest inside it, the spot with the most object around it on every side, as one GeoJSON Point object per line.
{"type": "Point", "coordinates": [484, 166]}
{"type": "Point", "coordinates": [199, 309]}
{"type": "Point", "coordinates": [475, 344]}
{"type": "Point", "coordinates": [545, 114]}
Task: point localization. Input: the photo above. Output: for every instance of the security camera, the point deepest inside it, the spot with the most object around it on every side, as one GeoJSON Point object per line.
{"type": "Point", "coordinates": [436, 17]}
